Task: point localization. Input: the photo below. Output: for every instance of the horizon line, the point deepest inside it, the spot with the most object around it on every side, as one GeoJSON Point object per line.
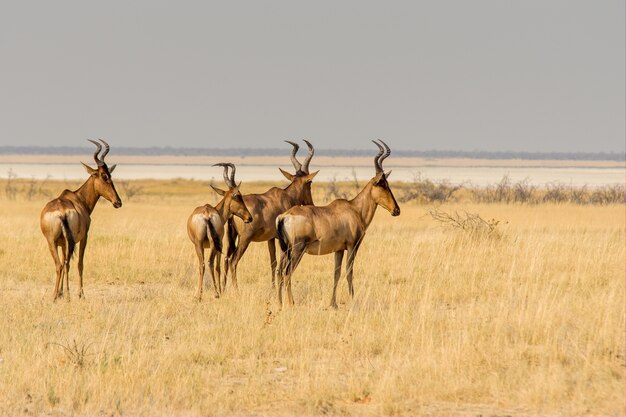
{"type": "Point", "coordinates": [253, 151]}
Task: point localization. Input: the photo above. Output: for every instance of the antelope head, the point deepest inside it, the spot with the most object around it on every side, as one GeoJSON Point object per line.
{"type": "Point", "coordinates": [302, 179]}
{"type": "Point", "coordinates": [102, 181]}
{"type": "Point", "coordinates": [233, 200]}
{"type": "Point", "coordinates": [380, 192]}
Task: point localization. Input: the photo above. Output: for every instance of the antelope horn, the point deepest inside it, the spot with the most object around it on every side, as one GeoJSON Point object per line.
{"type": "Point", "coordinates": [307, 161]}
{"type": "Point", "coordinates": [229, 180]}
{"type": "Point", "coordinates": [95, 155]}
{"type": "Point", "coordinates": [297, 165]}
{"type": "Point", "coordinates": [226, 178]}
{"type": "Point", "coordinates": [232, 174]}
{"type": "Point", "coordinates": [381, 151]}
{"type": "Point", "coordinates": [106, 150]}
{"type": "Point", "coordinates": [385, 155]}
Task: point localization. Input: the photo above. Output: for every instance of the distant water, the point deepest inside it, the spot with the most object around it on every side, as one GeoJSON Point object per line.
{"type": "Point", "coordinates": [479, 176]}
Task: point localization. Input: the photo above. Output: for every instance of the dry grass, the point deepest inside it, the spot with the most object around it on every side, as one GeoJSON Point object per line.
{"type": "Point", "coordinates": [443, 323]}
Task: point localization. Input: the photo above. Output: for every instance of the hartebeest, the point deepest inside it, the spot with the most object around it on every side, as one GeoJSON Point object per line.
{"type": "Point", "coordinates": [205, 227]}
{"type": "Point", "coordinates": [340, 226]}
{"type": "Point", "coordinates": [65, 220]}
{"type": "Point", "coordinates": [265, 207]}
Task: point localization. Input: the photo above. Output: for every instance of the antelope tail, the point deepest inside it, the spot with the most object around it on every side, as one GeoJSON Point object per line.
{"type": "Point", "coordinates": [69, 238]}
{"type": "Point", "coordinates": [280, 232]}
{"type": "Point", "coordinates": [217, 242]}
{"type": "Point", "coordinates": [231, 234]}
{"type": "Point", "coordinates": [285, 261]}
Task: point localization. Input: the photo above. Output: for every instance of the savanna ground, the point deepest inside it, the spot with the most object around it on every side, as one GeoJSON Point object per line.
{"type": "Point", "coordinates": [525, 320]}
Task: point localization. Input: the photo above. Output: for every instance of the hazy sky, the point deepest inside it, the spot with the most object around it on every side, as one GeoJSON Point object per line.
{"type": "Point", "coordinates": [538, 75]}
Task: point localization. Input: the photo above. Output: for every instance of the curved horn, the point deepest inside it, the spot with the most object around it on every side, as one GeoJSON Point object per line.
{"type": "Point", "coordinates": [307, 161]}
{"type": "Point", "coordinates": [106, 150]}
{"type": "Point", "coordinates": [226, 178]}
{"type": "Point", "coordinates": [95, 155]}
{"type": "Point", "coordinates": [232, 174]}
{"type": "Point", "coordinates": [229, 180]}
{"type": "Point", "coordinates": [297, 165]}
{"type": "Point", "coordinates": [381, 151]}
{"type": "Point", "coordinates": [385, 155]}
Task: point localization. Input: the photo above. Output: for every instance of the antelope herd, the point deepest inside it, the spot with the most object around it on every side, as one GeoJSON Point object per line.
{"type": "Point", "coordinates": [287, 214]}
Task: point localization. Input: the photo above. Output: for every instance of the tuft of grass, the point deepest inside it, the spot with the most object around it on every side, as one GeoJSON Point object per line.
{"type": "Point", "coordinates": [74, 353]}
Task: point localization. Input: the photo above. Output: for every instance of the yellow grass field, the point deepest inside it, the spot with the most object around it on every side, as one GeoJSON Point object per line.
{"type": "Point", "coordinates": [529, 322]}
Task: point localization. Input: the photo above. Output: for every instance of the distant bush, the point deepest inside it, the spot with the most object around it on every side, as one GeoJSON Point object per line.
{"type": "Point", "coordinates": [506, 192]}
{"type": "Point", "coordinates": [428, 191]}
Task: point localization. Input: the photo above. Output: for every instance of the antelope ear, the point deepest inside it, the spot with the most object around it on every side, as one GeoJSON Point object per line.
{"type": "Point", "coordinates": [387, 174]}
{"type": "Point", "coordinates": [217, 190]}
{"type": "Point", "coordinates": [309, 177]}
{"type": "Point", "coordinates": [89, 169]}
{"type": "Point", "coordinates": [112, 168]}
{"type": "Point", "coordinates": [287, 175]}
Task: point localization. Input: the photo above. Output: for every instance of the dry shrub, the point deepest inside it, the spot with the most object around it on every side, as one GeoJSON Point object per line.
{"type": "Point", "coordinates": [561, 193]}
{"type": "Point", "coordinates": [335, 189]}
{"type": "Point", "coordinates": [609, 194]}
{"type": "Point", "coordinates": [506, 191]}
{"type": "Point", "coordinates": [428, 191]}
{"type": "Point", "coordinates": [470, 223]}
{"type": "Point", "coordinates": [130, 189]}
{"type": "Point", "coordinates": [555, 193]}
{"type": "Point", "coordinates": [524, 192]}
{"type": "Point", "coordinates": [10, 190]}
{"type": "Point", "coordinates": [579, 195]}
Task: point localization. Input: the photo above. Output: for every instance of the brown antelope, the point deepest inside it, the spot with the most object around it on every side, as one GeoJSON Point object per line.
{"type": "Point", "coordinates": [340, 226]}
{"type": "Point", "coordinates": [205, 227]}
{"type": "Point", "coordinates": [65, 220]}
{"type": "Point", "coordinates": [265, 207]}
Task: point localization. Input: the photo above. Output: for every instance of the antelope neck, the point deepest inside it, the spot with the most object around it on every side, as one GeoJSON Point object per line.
{"type": "Point", "coordinates": [221, 208]}
{"type": "Point", "coordinates": [292, 191]}
{"type": "Point", "coordinates": [365, 204]}
{"type": "Point", "coordinates": [87, 194]}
